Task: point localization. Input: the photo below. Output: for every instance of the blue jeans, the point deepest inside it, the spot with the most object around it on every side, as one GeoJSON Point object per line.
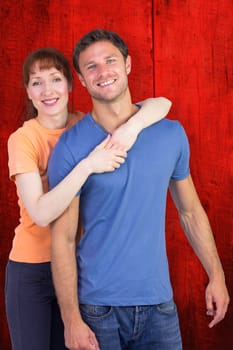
{"type": "Point", "coordinates": [152, 327]}
{"type": "Point", "coordinates": [32, 311]}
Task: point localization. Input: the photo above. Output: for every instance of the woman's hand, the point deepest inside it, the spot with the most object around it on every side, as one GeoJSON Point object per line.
{"type": "Point", "coordinates": [106, 158]}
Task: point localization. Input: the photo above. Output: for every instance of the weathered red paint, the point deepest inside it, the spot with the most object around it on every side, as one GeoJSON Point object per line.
{"type": "Point", "coordinates": [180, 49]}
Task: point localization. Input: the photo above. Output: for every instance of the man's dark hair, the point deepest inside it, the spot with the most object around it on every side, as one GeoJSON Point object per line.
{"type": "Point", "coordinates": [93, 37]}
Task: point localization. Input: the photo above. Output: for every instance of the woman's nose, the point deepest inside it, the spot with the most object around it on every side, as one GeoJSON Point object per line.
{"type": "Point", "coordinates": [47, 88]}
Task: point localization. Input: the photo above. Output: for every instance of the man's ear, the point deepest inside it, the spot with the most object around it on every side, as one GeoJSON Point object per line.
{"type": "Point", "coordinates": [82, 81]}
{"type": "Point", "coordinates": [128, 64]}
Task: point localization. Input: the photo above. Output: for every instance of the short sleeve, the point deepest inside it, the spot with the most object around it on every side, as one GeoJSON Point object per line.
{"type": "Point", "coordinates": [60, 163]}
{"type": "Point", "coordinates": [182, 168]}
{"type": "Point", "coordinates": [22, 156]}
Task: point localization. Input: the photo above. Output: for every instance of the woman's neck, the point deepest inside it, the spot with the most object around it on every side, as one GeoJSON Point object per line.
{"type": "Point", "coordinates": [56, 121]}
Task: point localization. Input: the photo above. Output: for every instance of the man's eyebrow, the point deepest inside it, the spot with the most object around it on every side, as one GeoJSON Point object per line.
{"type": "Point", "coordinates": [106, 58]}
{"type": "Point", "coordinates": [111, 56]}
{"type": "Point", "coordinates": [88, 63]}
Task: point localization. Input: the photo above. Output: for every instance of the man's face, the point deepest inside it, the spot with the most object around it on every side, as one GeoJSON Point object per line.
{"type": "Point", "coordinates": [104, 71]}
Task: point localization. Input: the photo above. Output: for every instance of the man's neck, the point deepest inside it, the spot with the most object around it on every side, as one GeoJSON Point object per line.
{"type": "Point", "coordinates": [111, 115]}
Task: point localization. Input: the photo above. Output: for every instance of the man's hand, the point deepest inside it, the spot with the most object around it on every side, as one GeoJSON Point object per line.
{"type": "Point", "coordinates": [217, 300]}
{"type": "Point", "coordinates": [78, 336]}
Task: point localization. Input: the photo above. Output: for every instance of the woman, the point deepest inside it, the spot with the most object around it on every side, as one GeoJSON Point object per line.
{"type": "Point", "coordinates": [32, 310]}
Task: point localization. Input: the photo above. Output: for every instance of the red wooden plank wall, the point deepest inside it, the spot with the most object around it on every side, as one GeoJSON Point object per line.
{"type": "Point", "coordinates": [193, 51]}
{"type": "Point", "coordinates": [180, 49]}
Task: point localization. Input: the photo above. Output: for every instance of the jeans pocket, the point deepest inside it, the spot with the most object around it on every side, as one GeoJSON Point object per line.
{"type": "Point", "coordinates": [168, 307]}
{"type": "Point", "coordinates": [95, 311]}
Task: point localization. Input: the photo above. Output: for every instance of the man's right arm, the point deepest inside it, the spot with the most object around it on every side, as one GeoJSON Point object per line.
{"type": "Point", "coordinates": [78, 336]}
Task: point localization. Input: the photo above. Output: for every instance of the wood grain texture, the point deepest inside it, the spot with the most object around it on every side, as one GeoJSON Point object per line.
{"type": "Point", "coordinates": [27, 25]}
{"type": "Point", "coordinates": [193, 49]}
{"type": "Point", "coordinates": [180, 49]}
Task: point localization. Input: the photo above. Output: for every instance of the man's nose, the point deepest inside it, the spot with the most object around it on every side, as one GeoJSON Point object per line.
{"type": "Point", "coordinates": [102, 69]}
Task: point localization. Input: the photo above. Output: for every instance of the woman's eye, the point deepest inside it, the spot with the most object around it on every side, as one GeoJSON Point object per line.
{"type": "Point", "coordinates": [36, 83]}
{"type": "Point", "coordinates": [57, 79]}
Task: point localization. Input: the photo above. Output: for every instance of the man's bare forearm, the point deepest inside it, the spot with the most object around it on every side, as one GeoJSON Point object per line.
{"type": "Point", "coordinates": [78, 335]}
{"type": "Point", "coordinates": [196, 225]}
{"type": "Point", "coordinates": [64, 266]}
{"type": "Point", "coordinates": [198, 231]}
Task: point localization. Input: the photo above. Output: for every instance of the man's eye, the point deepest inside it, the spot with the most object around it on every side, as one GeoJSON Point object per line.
{"type": "Point", "coordinates": [92, 66]}
{"type": "Point", "coordinates": [111, 60]}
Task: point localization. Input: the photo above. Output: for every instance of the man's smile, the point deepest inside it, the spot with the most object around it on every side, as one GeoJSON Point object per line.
{"type": "Point", "coordinates": [106, 83]}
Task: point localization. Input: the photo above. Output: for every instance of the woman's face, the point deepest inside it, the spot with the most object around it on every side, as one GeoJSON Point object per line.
{"type": "Point", "coordinates": [48, 90]}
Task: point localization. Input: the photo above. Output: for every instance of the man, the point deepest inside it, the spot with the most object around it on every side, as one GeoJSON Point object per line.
{"type": "Point", "coordinates": [120, 296]}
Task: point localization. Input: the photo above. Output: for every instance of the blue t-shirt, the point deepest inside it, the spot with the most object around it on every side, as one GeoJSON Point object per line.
{"type": "Point", "coordinates": [122, 257]}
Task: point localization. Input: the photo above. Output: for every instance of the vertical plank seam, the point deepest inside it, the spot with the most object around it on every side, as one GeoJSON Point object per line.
{"type": "Point", "coordinates": [153, 45]}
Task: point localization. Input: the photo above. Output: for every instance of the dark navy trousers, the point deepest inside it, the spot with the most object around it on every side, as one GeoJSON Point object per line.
{"type": "Point", "coordinates": [32, 311]}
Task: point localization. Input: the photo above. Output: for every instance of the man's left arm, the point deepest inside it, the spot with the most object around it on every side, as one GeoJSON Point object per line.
{"type": "Point", "coordinates": [197, 228]}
